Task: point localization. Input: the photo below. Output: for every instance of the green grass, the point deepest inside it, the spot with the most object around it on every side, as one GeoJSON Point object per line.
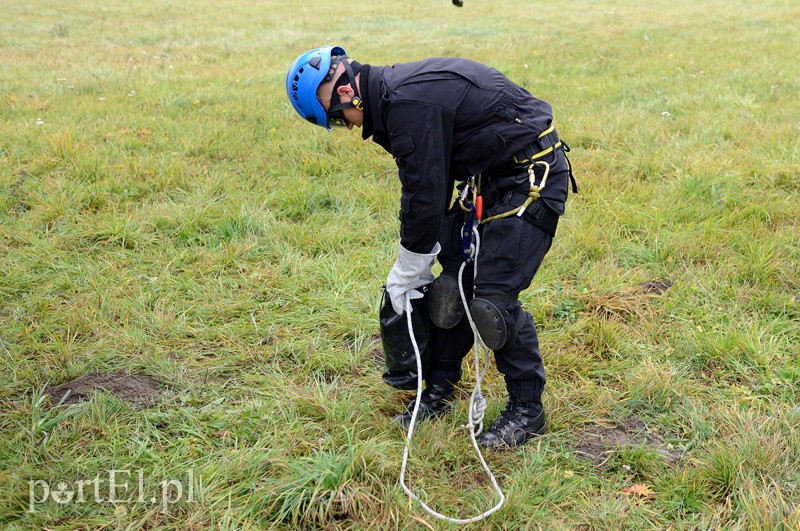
{"type": "Point", "coordinates": [164, 211]}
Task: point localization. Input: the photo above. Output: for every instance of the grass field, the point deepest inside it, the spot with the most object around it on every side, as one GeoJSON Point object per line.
{"type": "Point", "coordinates": [164, 212]}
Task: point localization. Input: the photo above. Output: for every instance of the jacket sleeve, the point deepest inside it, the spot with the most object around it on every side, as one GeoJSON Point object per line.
{"type": "Point", "coordinates": [421, 137]}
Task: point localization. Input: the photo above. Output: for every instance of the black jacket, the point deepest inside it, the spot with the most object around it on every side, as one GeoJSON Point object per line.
{"type": "Point", "coordinates": [443, 120]}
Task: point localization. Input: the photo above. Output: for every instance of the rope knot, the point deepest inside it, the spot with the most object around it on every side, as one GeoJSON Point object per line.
{"type": "Point", "coordinates": [477, 412]}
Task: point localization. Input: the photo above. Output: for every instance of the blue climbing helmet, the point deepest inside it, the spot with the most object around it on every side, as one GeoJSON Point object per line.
{"type": "Point", "coordinates": [305, 75]}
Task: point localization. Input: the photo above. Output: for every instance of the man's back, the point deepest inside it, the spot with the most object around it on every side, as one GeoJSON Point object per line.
{"type": "Point", "coordinates": [490, 118]}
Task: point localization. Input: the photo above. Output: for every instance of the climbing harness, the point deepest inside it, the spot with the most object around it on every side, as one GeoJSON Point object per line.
{"type": "Point", "coordinates": [474, 210]}
{"type": "Point", "coordinates": [533, 193]}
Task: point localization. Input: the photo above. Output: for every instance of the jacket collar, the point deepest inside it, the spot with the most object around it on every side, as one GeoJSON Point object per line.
{"type": "Point", "coordinates": [370, 92]}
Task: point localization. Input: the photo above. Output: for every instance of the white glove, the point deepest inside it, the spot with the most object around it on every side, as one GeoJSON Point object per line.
{"type": "Point", "coordinates": [410, 271]}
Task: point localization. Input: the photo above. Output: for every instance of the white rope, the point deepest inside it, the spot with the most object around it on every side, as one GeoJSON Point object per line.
{"type": "Point", "coordinates": [477, 404]}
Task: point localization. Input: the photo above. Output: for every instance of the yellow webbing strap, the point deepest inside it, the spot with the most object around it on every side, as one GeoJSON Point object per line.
{"type": "Point", "coordinates": [543, 152]}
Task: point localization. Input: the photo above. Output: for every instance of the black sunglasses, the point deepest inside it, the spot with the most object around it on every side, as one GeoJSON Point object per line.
{"type": "Point", "coordinates": [337, 121]}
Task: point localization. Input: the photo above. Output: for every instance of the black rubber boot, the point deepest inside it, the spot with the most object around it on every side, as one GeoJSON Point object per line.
{"type": "Point", "coordinates": [435, 403]}
{"type": "Point", "coordinates": [517, 423]}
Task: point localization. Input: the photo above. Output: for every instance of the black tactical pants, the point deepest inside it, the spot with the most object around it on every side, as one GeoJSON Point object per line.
{"type": "Point", "coordinates": [511, 251]}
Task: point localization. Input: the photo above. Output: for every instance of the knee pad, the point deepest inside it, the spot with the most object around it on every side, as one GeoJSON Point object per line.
{"type": "Point", "coordinates": [495, 325]}
{"type": "Point", "coordinates": [445, 302]}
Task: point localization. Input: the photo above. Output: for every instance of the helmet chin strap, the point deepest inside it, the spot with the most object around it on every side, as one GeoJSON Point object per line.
{"type": "Point", "coordinates": [351, 69]}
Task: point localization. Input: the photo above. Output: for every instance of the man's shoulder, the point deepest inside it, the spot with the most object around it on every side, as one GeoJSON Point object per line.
{"type": "Point", "coordinates": [425, 68]}
{"type": "Point", "coordinates": [440, 81]}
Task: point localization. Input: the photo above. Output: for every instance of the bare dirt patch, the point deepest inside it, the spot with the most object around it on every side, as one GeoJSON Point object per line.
{"type": "Point", "coordinates": [138, 390]}
{"type": "Point", "coordinates": [598, 443]}
{"type": "Point", "coordinates": [656, 287]}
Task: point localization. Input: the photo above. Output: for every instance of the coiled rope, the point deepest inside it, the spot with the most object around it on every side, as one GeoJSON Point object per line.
{"type": "Point", "coordinates": [477, 404]}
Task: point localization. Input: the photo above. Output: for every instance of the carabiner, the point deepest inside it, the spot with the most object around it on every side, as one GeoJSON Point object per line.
{"type": "Point", "coordinates": [467, 244]}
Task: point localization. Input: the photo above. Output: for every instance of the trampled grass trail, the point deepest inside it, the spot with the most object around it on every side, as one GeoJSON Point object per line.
{"type": "Point", "coordinates": [165, 214]}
